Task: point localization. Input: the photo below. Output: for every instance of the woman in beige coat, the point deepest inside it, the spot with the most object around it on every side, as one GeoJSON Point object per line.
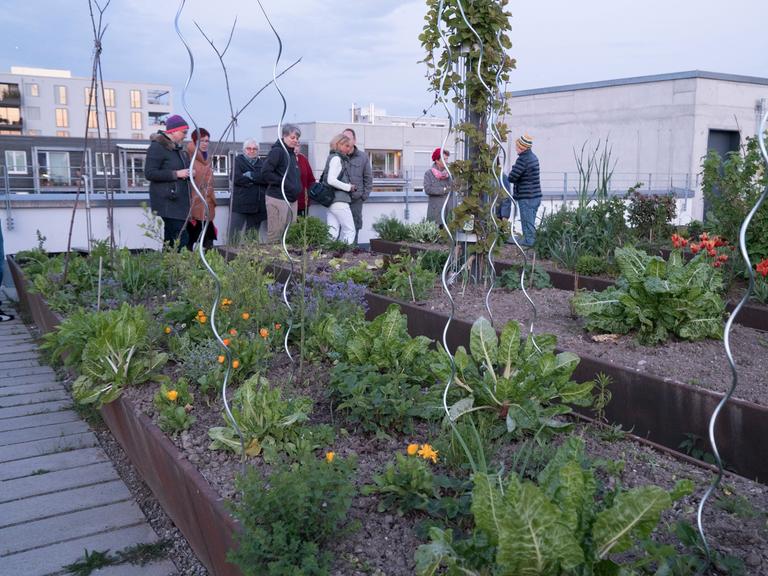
{"type": "Point", "coordinates": [202, 172]}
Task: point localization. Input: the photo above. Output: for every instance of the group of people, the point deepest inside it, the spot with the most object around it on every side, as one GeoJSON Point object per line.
{"type": "Point", "coordinates": [525, 178]}
{"type": "Point", "coordinates": [261, 186]}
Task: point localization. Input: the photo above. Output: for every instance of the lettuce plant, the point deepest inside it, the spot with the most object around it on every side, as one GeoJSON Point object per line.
{"type": "Point", "coordinates": [526, 385]}
{"type": "Point", "coordinates": [657, 299]}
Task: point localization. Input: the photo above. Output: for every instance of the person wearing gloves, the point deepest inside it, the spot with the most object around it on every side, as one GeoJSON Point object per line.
{"type": "Point", "coordinates": [202, 176]}
{"type": "Point", "coordinates": [248, 205]}
{"type": "Point", "coordinates": [437, 184]}
{"type": "Point", "coordinates": [167, 169]}
{"type": "Point", "coordinates": [340, 220]}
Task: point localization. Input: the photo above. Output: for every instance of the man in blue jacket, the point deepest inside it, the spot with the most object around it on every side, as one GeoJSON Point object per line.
{"type": "Point", "coordinates": [525, 177]}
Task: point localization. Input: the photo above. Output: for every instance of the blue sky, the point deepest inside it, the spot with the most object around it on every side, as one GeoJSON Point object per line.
{"type": "Point", "coordinates": [368, 51]}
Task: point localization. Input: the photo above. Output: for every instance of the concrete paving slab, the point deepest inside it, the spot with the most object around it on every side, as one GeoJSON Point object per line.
{"type": "Point", "coordinates": [8, 349]}
{"type": "Point", "coordinates": [36, 448]}
{"type": "Point", "coordinates": [48, 482]}
{"type": "Point", "coordinates": [159, 568]}
{"type": "Point", "coordinates": [39, 533]}
{"type": "Point", "coordinates": [10, 373]}
{"type": "Point", "coordinates": [30, 388]}
{"type": "Point", "coordinates": [7, 366]}
{"type": "Point", "coordinates": [24, 399]}
{"type": "Point", "coordinates": [50, 559]}
{"type": "Point", "coordinates": [39, 408]}
{"type": "Point", "coordinates": [52, 463]}
{"type": "Point", "coordinates": [33, 378]}
{"type": "Point", "coordinates": [66, 501]}
{"type": "Point", "coordinates": [10, 437]}
{"type": "Point", "coordinates": [22, 422]}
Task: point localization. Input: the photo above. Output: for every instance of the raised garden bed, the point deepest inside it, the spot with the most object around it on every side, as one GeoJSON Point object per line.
{"type": "Point", "coordinates": [385, 542]}
{"type": "Point", "coordinates": [751, 315]}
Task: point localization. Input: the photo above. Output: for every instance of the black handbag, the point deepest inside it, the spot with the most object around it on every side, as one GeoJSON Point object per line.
{"type": "Point", "coordinates": [321, 193]}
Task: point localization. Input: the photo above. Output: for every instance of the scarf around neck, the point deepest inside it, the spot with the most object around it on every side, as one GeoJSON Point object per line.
{"type": "Point", "coordinates": [439, 174]}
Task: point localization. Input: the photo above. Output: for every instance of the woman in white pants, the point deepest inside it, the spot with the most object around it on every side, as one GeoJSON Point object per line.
{"type": "Point", "coordinates": [340, 221]}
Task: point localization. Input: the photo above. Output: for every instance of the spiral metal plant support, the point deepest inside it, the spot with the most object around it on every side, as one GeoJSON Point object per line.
{"type": "Point", "coordinates": [727, 343]}
{"type": "Point", "coordinates": [201, 250]}
{"type": "Point", "coordinates": [283, 242]}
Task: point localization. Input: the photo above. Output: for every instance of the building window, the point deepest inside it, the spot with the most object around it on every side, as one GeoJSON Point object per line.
{"type": "Point", "coordinates": [159, 97]}
{"type": "Point", "coordinates": [109, 97]}
{"type": "Point", "coordinates": [386, 163]}
{"type": "Point", "coordinates": [135, 98]}
{"type": "Point", "coordinates": [10, 116]}
{"type": "Point", "coordinates": [54, 168]}
{"type": "Point", "coordinates": [93, 119]}
{"type": "Point", "coordinates": [16, 161]}
{"type": "Point", "coordinates": [62, 118]}
{"type": "Point", "coordinates": [111, 119]}
{"type": "Point", "coordinates": [33, 89]}
{"type": "Point", "coordinates": [62, 133]}
{"type": "Point", "coordinates": [60, 93]}
{"type": "Point", "coordinates": [135, 120]}
{"type": "Point", "coordinates": [9, 92]}
{"type": "Point", "coordinates": [220, 164]}
{"type": "Point", "coordinates": [89, 99]}
{"type": "Point", "coordinates": [157, 118]}
{"type": "Point", "coordinates": [105, 159]}
{"type": "Point", "coordinates": [31, 133]}
{"type": "Point", "coordinates": [137, 136]}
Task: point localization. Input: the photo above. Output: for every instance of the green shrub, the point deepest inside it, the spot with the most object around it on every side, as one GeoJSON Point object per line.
{"type": "Point", "coordinates": [510, 278]}
{"type": "Point", "coordinates": [589, 265]}
{"type": "Point", "coordinates": [307, 231]}
{"type": "Point", "coordinates": [657, 299]}
{"type": "Point", "coordinates": [424, 232]}
{"type": "Point", "coordinates": [694, 229]}
{"type": "Point", "coordinates": [359, 274]}
{"type": "Point", "coordinates": [404, 278]}
{"type": "Point", "coordinates": [434, 261]}
{"type": "Point", "coordinates": [391, 229]}
{"type": "Point", "coordinates": [289, 518]}
{"type": "Point", "coordinates": [174, 406]}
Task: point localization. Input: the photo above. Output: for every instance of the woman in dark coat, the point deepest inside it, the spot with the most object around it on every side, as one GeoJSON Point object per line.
{"type": "Point", "coordinates": [248, 208]}
{"type": "Point", "coordinates": [167, 169]}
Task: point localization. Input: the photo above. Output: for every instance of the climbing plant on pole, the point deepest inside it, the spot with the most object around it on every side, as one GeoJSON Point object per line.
{"type": "Point", "coordinates": [475, 92]}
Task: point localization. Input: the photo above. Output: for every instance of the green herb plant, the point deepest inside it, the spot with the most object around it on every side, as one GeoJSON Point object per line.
{"type": "Point", "coordinates": [307, 232]}
{"type": "Point", "coordinates": [651, 215]}
{"type": "Point", "coordinates": [424, 232]}
{"type": "Point", "coordinates": [289, 518]}
{"type": "Point", "coordinates": [510, 278]}
{"type": "Point", "coordinates": [657, 298]}
{"type": "Point", "coordinates": [391, 229]}
{"type": "Point", "coordinates": [174, 404]}
{"type": "Point", "coordinates": [404, 278]}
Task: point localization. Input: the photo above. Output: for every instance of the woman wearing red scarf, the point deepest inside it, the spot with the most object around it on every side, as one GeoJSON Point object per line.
{"type": "Point", "coordinates": [437, 184]}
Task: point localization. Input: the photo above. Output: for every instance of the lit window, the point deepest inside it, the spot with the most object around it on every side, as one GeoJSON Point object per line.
{"type": "Point", "coordinates": [89, 99]}
{"type": "Point", "coordinates": [385, 163]}
{"type": "Point", "coordinates": [61, 94]}
{"type": "Point", "coordinates": [135, 120]}
{"type": "Point", "coordinates": [220, 164]}
{"type": "Point", "coordinates": [109, 97]}
{"type": "Point", "coordinates": [16, 161]}
{"type": "Point", "coordinates": [105, 159]}
{"type": "Point", "coordinates": [34, 89]}
{"type": "Point", "coordinates": [93, 120]}
{"type": "Point", "coordinates": [111, 119]}
{"type": "Point", "coordinates": [137, 135]}
{"type": "Point", "coordinates": [135, 98]}
{"type": "Point", "coordinates": [10, 116]}
{"type": "Point", "coordinates": [62, 133]}
{"type": "Point", "coordinates": [62, 118]}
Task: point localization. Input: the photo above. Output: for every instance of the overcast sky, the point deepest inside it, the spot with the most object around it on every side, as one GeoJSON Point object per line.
{"type": "Point", "coordinates": [368, 51]}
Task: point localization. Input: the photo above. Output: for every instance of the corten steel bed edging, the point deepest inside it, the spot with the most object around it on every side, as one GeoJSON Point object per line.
{"type": "Point", "coordinates": [184, 494]}
{"type": "Point", "coordinates": [751, 316]}
{"type": "Point", "coordinates": [661, 410]}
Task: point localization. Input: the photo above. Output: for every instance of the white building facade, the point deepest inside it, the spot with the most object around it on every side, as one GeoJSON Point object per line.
{"type": "Point", "coordinates": [658, 128]}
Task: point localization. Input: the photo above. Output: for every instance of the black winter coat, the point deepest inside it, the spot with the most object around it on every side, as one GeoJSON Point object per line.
{"type": "Point", "coordinates": [168, 196]}
{"type": "Point", "coordinates": [277, 164]}
{"type": "Point", "coordinates": [525, 176]}
{"type": "Point", "coordinates": [248, 195]}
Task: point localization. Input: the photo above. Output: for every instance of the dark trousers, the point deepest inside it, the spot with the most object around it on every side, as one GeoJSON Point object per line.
{"type": "Point", "coordinates": [175, 229]}
{"type": "Point", "coordinates": [194, 231]}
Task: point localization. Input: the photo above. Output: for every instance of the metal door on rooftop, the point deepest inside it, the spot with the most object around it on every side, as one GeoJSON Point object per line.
{"type": "Point", "coordinates": [723, 142]}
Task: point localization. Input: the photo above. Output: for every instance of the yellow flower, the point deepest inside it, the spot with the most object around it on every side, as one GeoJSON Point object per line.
{"type": "Point", "coordinates": [329, 456]}
{"type": "Point", "coordinates": [203, 319]}
{"type": "Point", "coordinates": [225, 302]}
{"type": "Point", "coordinates": [200, 313]}
{"type": "Point", "coordinates": [172, 395]}
{"type": "Point", "coordinates": [221, 359]}
{"type": "Point", "coordinates": [412, 449]}
{"type": "Point", "coordinates": [245, 315]}
{"type": "Point", "coordinates": [264, 333]}
{"type": "Point", "coordinates": [167, 330]}
{"type": "Point", "coordinates": [235, 364]}
{"type": "Point", "coordinates": [428, 453]}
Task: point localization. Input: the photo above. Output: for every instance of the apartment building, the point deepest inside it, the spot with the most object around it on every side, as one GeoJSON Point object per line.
{"type": "Point", "coordinates": [49, 102]}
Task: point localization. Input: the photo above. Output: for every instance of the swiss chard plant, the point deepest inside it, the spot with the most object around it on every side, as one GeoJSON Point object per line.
{"type": "Point", "coordinates": [564, 523]}
{"type": "Point", "coordinates": [657, 299]}
{"type": "Point", "coordinates": [526, 385]}
{"type": "Point", "coordinates": [405, 278]}
{"type": "Point", "coordinates": [263, 417]}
